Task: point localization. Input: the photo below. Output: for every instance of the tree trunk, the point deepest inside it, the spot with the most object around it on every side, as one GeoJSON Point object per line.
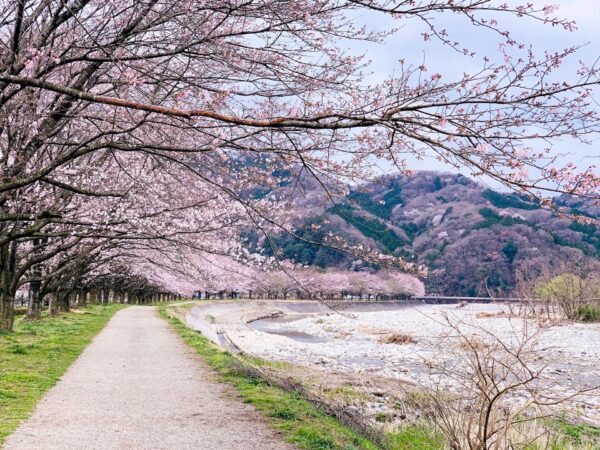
{"type": "Point", "coordinates": [53, 305]}
{"type": "Point", "coordinates": [8, 254]}
{"type": "Point", "coordinates": [34, 307]}
{"type": "Point", "coordinates": [6, 311]}
{"type": "Point", "coordinates": [63, 303]}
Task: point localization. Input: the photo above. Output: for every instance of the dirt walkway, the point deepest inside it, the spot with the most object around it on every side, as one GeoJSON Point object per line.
{"type": "Point", "coordinates": [137, 386]}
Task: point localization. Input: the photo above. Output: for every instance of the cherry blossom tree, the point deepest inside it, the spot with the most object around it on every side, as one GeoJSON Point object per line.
{"type": "Point", "coordinates": [145, 213]}
{"type": "Point", "coordinates": [243, 76]}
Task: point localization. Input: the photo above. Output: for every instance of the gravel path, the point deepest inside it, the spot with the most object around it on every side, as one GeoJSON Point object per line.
{"type": "Point", "coordinates": [138, 386]}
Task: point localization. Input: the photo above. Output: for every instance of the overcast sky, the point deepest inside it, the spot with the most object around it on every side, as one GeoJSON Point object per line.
{"type": "Point", "coordinates": [409, 45]}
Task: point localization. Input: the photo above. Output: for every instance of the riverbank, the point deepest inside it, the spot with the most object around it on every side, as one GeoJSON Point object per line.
{"type": "Point", "coordinates": [352, 350]}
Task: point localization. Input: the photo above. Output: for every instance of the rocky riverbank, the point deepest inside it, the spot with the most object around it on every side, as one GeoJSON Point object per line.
{"type": "Point", "coordinates": [401, 342]}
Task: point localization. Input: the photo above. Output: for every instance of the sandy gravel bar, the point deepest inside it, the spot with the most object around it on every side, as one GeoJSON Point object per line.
{"type": "Point", "coordinates": [138, 386]}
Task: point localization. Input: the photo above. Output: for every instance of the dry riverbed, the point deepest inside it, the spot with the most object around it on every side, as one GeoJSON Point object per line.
{"type": "Point", "coordinates": [393, 347]}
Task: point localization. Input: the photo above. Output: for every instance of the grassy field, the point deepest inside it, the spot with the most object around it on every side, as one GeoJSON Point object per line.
{"type": "Point", "coordinates": [300, 422]}
{"type": "Point", "coordinates": [36, 354]}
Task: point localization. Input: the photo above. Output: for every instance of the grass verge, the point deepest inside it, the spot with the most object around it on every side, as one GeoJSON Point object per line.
{"type": "Point", "coordinates": [36, 354]}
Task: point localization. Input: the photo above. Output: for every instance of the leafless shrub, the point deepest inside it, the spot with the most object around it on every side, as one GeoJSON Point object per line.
{"type": "Point", "coordinates": [473, 345]}
{"type": "Point", "coordinates": [538, 312]}
{"type": "Point", "coordinates": [490, 394]}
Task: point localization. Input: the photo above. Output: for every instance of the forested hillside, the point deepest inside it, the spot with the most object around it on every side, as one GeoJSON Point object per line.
{"type": "Point", "coordinates": [474, 240]}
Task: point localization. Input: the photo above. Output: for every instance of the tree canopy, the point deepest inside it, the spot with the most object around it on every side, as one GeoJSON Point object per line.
{"type": "Point", "coordinates": [134, 131]}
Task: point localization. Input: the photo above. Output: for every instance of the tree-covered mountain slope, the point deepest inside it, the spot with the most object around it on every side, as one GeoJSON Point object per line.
{"type": "Point", "coordinates": [474, 241]}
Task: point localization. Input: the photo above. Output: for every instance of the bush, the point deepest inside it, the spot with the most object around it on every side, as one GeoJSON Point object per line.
{"type": "Point", "coordinates": [572, 295]}
{"type": "Point", "coordinates": [397, 338]}
{"type": "Point", "coordinates": [588, 313]}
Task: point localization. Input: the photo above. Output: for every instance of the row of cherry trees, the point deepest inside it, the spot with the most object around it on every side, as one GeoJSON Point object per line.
{"type": "Point", "coordinates": [135, 133]}
{"type": "Point", "coordinates": [77, 289]}
{"type": "Point", "coordinates": [223, 277]}
{"type": "Point", "coordinates": [335, 284]}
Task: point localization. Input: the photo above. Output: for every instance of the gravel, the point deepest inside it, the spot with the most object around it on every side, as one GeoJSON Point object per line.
{"type": "Point", "coordinates": [351, 343]}
{"type": "Point", "coordinates": [138, 386]}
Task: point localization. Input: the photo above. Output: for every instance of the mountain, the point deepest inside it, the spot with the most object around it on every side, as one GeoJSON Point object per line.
{"type": "Point", "coordinates": [474, 240]}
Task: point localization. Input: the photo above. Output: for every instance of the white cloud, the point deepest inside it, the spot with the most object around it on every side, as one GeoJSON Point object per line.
{"type": "Point", "coordinates": [585, 12]}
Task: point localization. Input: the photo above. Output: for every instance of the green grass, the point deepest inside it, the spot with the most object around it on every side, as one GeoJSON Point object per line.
{"type": "Point", "coordinates": [417, 438]}
{"type": "Point", "coordinates": [588, 313]}
{"type": "Point", "coordinates": [36, 354]}
{"type": "Point", "coordinates": [568, 435]}
{"type": "Point", "coordinates": [299, 421]}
